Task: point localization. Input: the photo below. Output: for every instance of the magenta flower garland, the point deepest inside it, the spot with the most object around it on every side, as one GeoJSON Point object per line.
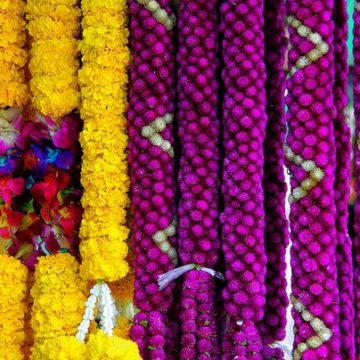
{"type": "Point", "coordinates": [276, 228]}
{"type": "Point", "coordinates": [310, 152]}
{"type": "Point", "coordinates": [342, 184]}
{"type": "Point", "coordinates": [198, 175]}
{"type": "Point", "coordinates": [356, 82]}
{"type": "Point", "coordinates": [151, 163]}
{"type": "Point", "coordinates": [244, 121]}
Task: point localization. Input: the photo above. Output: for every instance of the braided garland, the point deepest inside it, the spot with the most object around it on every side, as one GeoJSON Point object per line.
{"type": "Point", "coordinates": [342, 183]}
{"type": "Point", "coordinates": [198, 175]}
{"type": "Point", "coordinates": [243, 217]}
{"type": "Point", "coordinates": [151, 162]}
{"type": "Point", "coordinates": [356, 82]}
{"type": "Point", "coordinates": [276, 228]}
{"type": "Point", "coordinates": [310, 149]}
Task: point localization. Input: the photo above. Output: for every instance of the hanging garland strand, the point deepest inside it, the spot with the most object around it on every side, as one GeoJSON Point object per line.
{"type": "Point", "coordinates": [13, 277]}
{"type": "Point", "coordinates": [54, 26]}
{"type": "Point", "coordinates": [13, 56]}
{"type": "Point", "coordinates": [103, 80]}
{"type": "Point", "coordinates": [276, 227]}
{"type": "Point", "coordinates": [13, 92]}
{"type": "Point", "coordinates": [198, 175]}
{"type": "Point", "coordinates": [59, 302]}
{"type": "Point", "coordinates": [310, 149]}
{"type": "Point", "coordinates": [342, 183]}
{"type": "Point", "coordinates": [243, 217]}
{"type": "Point", "coordinates": [151, 160]}
{"type": "Point", "coordinates": [356, 82]}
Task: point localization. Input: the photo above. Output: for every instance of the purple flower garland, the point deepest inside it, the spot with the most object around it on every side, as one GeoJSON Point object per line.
{"type": "Point", "coordinates": [310, 151]}
{"type": "Point", "coordinates": [151, 163]}
{"type": "Point", "coordinates": [342, 183]}
{"type": "Point", "coordinates": [356, 82]}
{"type": "Point", "coordinates": [198, 175]}
{"type": "Point", "coordinates": [276, 228]}
{"type": "Point", "coordinates": [244, 121]}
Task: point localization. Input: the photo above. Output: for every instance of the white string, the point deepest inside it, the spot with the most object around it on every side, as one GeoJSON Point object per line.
{"type": "Point", "coordinates": [165, 279]}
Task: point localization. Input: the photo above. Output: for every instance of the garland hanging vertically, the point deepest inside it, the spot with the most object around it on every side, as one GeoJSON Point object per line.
{"type": "Point", "coordinates": [356, 84]}
{"type": "Point", "coordinates": [243, 217]}
{"type": "Point", "coordinates": [13, 92]}
{"type": "Point", "coordinates": [310, 151]}
{"type": "Point", "coordinates": [276, 228]}
{"type": "Point", "coordinates": [198, 175]}
{"type": "Point", "coordinates": [13, 277]}
{"type": "Point", "coordinates": [103, 80]}
{"type": "Point", "coordinates": [54, 26]}
{"type": "Point", "coordinates": [342, 183]}
{"type": "Point", "coordinates": [151, 160]}
{"type": "Point", "coordinates": [59, 301]}
{"type": "Point", "coordinates": [13, 57]}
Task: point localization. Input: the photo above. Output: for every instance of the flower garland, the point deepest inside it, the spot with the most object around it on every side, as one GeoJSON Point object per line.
{"type": "Point", "coordinates": [54, 26]}
{"type": "Point", "coordinates": [244, 120]}
{"type": "Point", "coordinates": [342, 183]}
{"type": "Point", "coordinates": [13, 56]}
{"type": "Point", "coordinates": [276, 226]}
{"type": "Point", "coordinates": [198, 175]}
{"type": "Point", "coordinates": [152, 171]}
{"type": "Point", "coordinates": [123, 292]}
{"type": "Point", "coordinates": [356, 82]}
{"type": "Point", "coordinates": [103, 80]}
{"type": "Point", "coordinates": [40, 169]}
{"type": "Point", "coordinates": [310, 151]}
{"type": "Point", "coordinates": [59, 298]}
{"type": "Point", "coordinates": [12, 305]}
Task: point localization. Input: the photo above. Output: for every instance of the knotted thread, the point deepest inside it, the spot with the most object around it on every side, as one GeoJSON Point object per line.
{"type": "Point", "coordinates": [165, 279]}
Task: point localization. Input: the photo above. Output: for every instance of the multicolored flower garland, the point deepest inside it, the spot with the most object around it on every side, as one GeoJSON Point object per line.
{"type": "Point", "coordinates": [13, 275]}
{"type": "Point", "coordinates": [151, 163]}
{"type": "Point", "coordinates": [103, 79]}
{"type": "Point", "coordinates": [310, 152]}
{"type": "Point", "coordinates": [276, 226]}
{"type": "Point", "coordinates": [243, 216]}
{"type": "Point", "coordinates": [198, 180]}
{"type": "Point", "coordinates": [342, 183]}
{"type": "Point", "coordinates": [54, 26]}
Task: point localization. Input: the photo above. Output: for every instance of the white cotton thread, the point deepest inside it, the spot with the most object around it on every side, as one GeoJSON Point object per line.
{"type": "Point", "coordinates": [165, 279]}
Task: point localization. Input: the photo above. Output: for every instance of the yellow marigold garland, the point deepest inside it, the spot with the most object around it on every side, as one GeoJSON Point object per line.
{"type": "Point", "coordinates": [103, 81]}
{"type": "Point", "coordinates": [13, 57]}
{"type": "Point", "coordinates": [101, 346]}
{"type": "Point", "coordinates": [123, 292]}
{"type": "Point", "coordinates": [12, 307]}
{"type": "Point", "coordinates": [54, 26]}
{"type": "Point", "coordinates": [62, 347]}
{"type": "Point", "coordinates": [59, 298]}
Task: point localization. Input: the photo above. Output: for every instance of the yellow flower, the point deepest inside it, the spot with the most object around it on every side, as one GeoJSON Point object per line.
{"type": "Point", "coordinates": [59, 298]}
{"type": "Point", "coordinates": [54, 27]}
{"type": "Point", "coordinates": [13, 57]}
{"type": "Point", "coordinates": [102, 346]}
{"type": "Point", "coordinates": [60, 348]}
{"type": "Point", "coordinates": [12, 307]}
{"type": "Point", "coordinates": [103, 81]}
